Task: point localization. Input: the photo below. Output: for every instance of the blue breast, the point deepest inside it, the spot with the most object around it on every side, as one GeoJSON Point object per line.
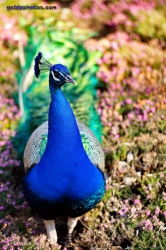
{"type": "Point", "coordinates": [64, 182]}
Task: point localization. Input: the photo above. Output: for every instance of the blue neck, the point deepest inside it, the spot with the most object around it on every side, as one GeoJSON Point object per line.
{"type": "Point", "coordinates": [63, 133]}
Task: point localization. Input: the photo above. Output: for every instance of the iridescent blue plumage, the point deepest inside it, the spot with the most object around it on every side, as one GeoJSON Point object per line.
{"type": "Point", "coordinates": [65, 181]}
{"type": "Point", "coordinates": [61, 68]}
{"type": "Point", "coordinates": [37, 62]}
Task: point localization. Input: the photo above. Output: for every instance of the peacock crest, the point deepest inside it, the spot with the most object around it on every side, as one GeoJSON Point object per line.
{"type": "Point", "coordinates": [41, 65]}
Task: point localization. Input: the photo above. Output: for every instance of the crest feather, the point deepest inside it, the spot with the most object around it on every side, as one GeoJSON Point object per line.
{"type": "Point", "coordinates": [41, 65]}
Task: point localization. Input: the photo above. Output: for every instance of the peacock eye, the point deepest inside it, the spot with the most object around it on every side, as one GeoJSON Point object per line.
{"type": "Point", "coordinates": [56, 74]}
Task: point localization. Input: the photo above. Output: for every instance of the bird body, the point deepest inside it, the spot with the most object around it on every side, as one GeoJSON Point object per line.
{"type": "Point", "coordinates": [64, 181]}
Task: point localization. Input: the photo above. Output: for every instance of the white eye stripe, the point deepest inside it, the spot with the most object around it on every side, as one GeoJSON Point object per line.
{"type": "Point", "coordinates": [62, 75]}
{"type": "Point", "coordinates": [59, 73]}
{"type": "Point", "coordinates": [56, 79]}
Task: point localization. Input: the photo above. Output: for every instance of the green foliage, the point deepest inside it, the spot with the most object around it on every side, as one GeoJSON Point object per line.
{"type": "Point", "coordinates": [150, 27]}
{"type": "Point", "coordinates": [162, 126]}
{"type": "Point", "coordinates": [121, 152]}
{"type": "Point", "coordinates": [154, 240]}
{"type": "Point", "coordinates": [21, 226]}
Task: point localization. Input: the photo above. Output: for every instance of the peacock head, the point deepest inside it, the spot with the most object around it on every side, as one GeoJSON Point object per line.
{"type": "Point", "coordinates": [59, 74]}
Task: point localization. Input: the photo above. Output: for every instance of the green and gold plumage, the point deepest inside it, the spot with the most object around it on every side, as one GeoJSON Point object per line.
{"type": "Point", "coordinates": [38, 140]}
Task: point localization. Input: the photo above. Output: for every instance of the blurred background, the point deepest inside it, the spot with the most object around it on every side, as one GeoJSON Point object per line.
{"type": "Point", "coordinates": [116, 52]}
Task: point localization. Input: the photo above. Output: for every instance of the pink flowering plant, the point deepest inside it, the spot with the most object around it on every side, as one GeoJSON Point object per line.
{"type": "Point", "coordinates": [133, 74]}
{"type": "Point", "coordinates": [134, 211]}
{"type": "Point", "coordinates": [9, 118]}
{"type": "Point", "coordinates": [129, 15]}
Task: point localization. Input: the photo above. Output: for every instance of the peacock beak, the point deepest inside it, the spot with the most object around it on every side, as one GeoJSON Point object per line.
{"type": "Point", "coordinates": [70, 79]}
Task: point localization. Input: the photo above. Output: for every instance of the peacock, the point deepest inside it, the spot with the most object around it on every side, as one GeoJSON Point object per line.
{"type": "Point", "coordinates": [63, 160]}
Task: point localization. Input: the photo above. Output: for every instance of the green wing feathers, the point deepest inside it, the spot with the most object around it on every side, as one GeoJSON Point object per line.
{"type": "Point", "coordinates": [37, 143]}
{"type": "Point", "coordinates": [43, 144]}
{"type": "Point", "coordinates": [84, 138]}
{"type": "Point", "coordinates": [86, 143]}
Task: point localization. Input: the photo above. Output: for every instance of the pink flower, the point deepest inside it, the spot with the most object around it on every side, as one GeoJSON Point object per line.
{"type": "Point", "coordinates": [164, 213]}
{"type": "Point", "coordinates": [10, 115]}
{"type": "Point", "coordinates": [130, 116]}
{"type": "Point", "coordinates": [148, 90]}
{"type": "Point", "coordinates": [2, 143]}
{"type": "Point", "coordinates": [99, 62]}
{"type": "Point", "coordinates": [114, 45]}
{"type": "Point", "coordinates": [144, 118]}
{"type": "Point", "coordinates": [149, 68]}
{"type": "Point", "coordinates": [117, 136]}
{"type": "Point", "coordinates": [161, 175]}
{"type": "Point", "coordinates": [157, 211]}
{"type": "Point", "coordinates": [139, 117]}
{"type": "Point", "coordinates": [153, 109]}
{"type": "Point", "coordinates": [136, 201]}
{"type": "Point", "coordinates": [148, 225]}
{"type": "Point", "coordinates": [128, 101]}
